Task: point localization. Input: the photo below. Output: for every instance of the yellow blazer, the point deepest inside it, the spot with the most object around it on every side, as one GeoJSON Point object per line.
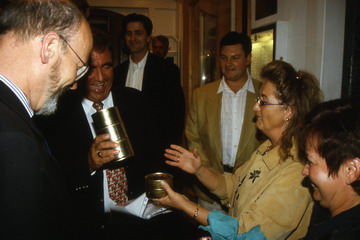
{"type": "Point", "coordinates": [203, 129]}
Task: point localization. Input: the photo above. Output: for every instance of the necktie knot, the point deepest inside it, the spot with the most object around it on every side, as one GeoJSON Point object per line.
{"type": "Point", "coordinates": [98, 106]}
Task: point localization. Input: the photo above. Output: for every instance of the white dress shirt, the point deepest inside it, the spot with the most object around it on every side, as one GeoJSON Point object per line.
{"type": "Point", "coordinates": [232, 117]}
{"type": "Point", "coordinates": [89, 110]}
{"type": "Point", "coordinates": [135, 73]}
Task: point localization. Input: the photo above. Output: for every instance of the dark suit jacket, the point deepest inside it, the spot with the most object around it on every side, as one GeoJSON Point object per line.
{"type": "Point", "coordinates": [162, 88]}
{"type": "Point", "coordinates": [69, 136]}
{"type": "Point", "coordinates": [34, 202]}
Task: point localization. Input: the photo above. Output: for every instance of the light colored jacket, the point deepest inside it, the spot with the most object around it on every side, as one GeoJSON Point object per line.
{"type": "Point", "coordinates": [203, 129]}
{"type": "Point", "coordinates": [268, 192]}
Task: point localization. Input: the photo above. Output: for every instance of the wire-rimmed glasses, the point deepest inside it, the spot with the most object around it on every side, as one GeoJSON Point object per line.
{"type": "Point", "coordinates": [263, 103]}
{"type": "Point", "coordinates": [81, 70]}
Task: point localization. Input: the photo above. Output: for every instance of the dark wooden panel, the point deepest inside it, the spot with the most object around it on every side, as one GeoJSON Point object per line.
{"type": "Point", "coordinates": [110, 22]}
{"type": "Point", "coordinates": [265, 8]}
{"type": "Point", "coordinates": [351, 67]}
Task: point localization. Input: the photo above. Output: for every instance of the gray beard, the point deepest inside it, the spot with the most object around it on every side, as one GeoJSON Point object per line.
{"type": "Point", "coordinates": [53, 94]}
{"type": "Point", "coordinates": [50, 105]}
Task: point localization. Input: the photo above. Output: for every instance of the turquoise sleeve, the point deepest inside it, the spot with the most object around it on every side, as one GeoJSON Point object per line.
{"type": "Point", "coordinates": [224, 227]}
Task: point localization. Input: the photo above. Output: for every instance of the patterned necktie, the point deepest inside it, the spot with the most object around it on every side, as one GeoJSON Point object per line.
{"type": "Point", "coordinates": [98, 106]}
{"type": "Point", "coordinates": [116, 178]}
{"type": "Point", "coordinates": [117, 184]}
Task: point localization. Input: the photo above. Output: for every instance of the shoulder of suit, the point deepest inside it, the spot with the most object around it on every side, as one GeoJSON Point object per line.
{"type": "Point", "coordinates": [209, 88]}
{"type": "Point", "coordinates": [128, 91]}
{"type": "Point", "coordinates": [160, 61]}
{"type": "Point", "coordinates": [257, 84]}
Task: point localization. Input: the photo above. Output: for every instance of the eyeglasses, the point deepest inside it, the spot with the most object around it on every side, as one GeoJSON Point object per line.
{"type": "Point", "coordinates": [82, 70]}
{"type": "Point", "coordinates": [262, 103]}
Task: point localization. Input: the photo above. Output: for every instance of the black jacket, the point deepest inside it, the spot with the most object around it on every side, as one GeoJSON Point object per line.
{"type": "Point", "coordinates": [69, 137]}
{"type": "Point", "coordinates": [34, 202]}
{"type": "Point", "coordinates": [162, 89]}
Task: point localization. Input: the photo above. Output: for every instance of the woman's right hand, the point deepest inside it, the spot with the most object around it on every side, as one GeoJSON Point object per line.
{"type": "Point", "coordinates": [172, 199]}
{"type": "Point", "coordinates": [189, 162]}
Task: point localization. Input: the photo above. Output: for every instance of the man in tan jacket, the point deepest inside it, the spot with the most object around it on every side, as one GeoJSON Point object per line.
{"type": "Point", "coordinates": [220, 120]}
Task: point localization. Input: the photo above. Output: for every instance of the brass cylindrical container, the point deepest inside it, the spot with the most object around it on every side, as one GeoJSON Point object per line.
{"type": "Point", "coordinates": [153, 187]}
{"type": "Point", "coordinates": [109, 121]}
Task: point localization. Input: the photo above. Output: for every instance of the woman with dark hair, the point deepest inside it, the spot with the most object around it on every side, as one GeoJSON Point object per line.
{"type": "Point", "coordinates": [267, 189]}
{"type": "Point", "coordinates": [330, 148]}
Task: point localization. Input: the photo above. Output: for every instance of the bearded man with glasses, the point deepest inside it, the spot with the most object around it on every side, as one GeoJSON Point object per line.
{"type": "Point", "coordinates": [43, 52]}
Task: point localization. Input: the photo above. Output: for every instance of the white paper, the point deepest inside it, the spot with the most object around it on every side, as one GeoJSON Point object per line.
{"type": "Point", "coordinates": [141, 207]}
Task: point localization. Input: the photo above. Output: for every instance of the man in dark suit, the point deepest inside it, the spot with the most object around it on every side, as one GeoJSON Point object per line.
{"type": "Point", "coordinates": [157, 78]}
{"type": "Point", "coordinates": [83, 155]}
{"type": "Point", "coordinates": [38, 60]}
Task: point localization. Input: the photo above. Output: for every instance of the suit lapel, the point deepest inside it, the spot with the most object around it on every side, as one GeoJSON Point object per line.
{"type": "Point", "coordinates": [213, 111]}
{"type": "Point", "coordinates": [147, 72]}
{"type": "Point", "coordinates": [247, 131]}
{"type": "Point", "coordinates": [123, 71]}
{"type": "Point", "coordinates": [10, 99]}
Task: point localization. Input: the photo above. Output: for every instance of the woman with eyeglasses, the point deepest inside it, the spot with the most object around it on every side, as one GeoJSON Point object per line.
{"type": "Point", "coordinates": [266, 193]}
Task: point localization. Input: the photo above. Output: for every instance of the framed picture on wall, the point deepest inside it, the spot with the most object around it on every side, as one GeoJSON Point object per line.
{"type": "Point", "coordinates": [263, 48]}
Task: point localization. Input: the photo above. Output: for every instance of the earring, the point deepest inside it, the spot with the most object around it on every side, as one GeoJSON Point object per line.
{"type": "Point", "coordinates": [286, 119]}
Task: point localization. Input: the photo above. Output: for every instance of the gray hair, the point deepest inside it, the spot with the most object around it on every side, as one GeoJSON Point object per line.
{"type": "Point", "coordinates": [30, 18]}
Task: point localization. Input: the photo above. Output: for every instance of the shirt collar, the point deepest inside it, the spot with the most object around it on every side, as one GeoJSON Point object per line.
{"type": "Point", "coordinates": [248, 86]}
{"type": "Point", "coordinates": [271, 158]}
{"type": "Point", "coordinates": [107, 102]}
{"type": "Point", "coordinates": [139, 64]}
{"type": "Point", "coordinates": [19, 94]}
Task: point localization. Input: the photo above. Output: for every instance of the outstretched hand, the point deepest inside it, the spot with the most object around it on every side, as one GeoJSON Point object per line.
{"type": "Point", "coordinates": [187, 161]}
{"type": "Point", "coordinates": [173, 199]}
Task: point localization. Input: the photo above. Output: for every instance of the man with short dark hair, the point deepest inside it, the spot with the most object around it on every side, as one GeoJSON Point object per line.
{"type": "Point", "coordinates": [220, 119]}
{"type": "Point", "coordinates": [44, 46]}
{"type": "Point", "coordinates": [158, 79]}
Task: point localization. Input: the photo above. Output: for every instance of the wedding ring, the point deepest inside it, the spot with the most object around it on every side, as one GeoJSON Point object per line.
{"type": "Point", "coordinates": [99, 154]}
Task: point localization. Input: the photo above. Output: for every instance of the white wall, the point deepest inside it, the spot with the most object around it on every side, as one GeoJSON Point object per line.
{"type": "Point", "coordinates": [311, 38]}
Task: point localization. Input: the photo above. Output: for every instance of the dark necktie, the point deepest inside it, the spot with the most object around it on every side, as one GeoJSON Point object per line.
{"type": "Point", "coordinates": [117, 181]}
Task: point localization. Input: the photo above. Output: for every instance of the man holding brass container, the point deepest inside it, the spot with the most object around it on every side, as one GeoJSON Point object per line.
{"type": "Point", "coordinates": [90, 163]}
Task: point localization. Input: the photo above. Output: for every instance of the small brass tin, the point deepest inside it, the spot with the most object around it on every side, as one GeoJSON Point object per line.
{"type": "Point", "coordinates": [109, 121]}
{"type": "Point", "coordinates": [153, 187]}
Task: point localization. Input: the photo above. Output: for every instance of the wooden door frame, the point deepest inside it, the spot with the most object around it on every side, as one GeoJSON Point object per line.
{"type": "Point", "coordinates": [191, 37]}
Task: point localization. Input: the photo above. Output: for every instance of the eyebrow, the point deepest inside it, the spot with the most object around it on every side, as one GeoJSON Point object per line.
{"type": "Point", "coordinates": [264, 96]}
{"type": "Point", "coordinates": [136, 31]}
{"type": "Point", "coordinates": [104, 64]}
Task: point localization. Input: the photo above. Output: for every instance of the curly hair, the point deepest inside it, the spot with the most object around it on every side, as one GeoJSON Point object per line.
{"type": "Point", "coordinates": [298, 90]}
